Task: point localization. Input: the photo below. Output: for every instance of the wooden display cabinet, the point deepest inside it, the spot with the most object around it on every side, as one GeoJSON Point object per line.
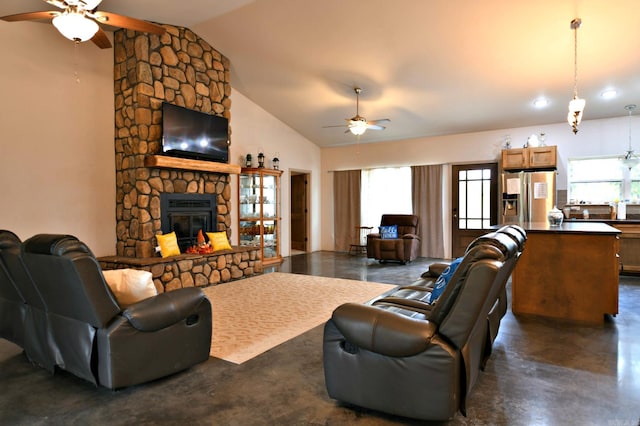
{"type": "Point", "coordinates": [259, 212]}
{"type": "Point", "coordinates": [540, 157]}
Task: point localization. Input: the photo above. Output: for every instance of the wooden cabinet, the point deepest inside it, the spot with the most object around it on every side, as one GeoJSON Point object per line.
{"type": "Point", "coordinates": [540, 157]}
{"type": "Point", "coordinates": [629, 247]}
{"type": "Point", "coordinates": [568, 272]}
{"type": "Point", "coordinates": [259, 212]}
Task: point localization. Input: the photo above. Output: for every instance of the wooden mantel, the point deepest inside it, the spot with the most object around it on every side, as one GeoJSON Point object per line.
{"type": "Point", "coordinates": [164, 162]}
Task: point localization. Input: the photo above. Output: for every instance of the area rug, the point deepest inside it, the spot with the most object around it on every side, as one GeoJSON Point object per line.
{"type": "Point", "coordinates": [253, 315]}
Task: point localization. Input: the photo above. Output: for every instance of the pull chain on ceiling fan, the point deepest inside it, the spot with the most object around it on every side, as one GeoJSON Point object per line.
{"type": "Point", "coordinates": [358, 124]}
{"type": "Point", "coordinates": [80, 18]}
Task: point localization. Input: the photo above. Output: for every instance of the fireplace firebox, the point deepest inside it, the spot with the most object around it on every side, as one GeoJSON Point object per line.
{"type": "Point", "coordinates": [186, 215]}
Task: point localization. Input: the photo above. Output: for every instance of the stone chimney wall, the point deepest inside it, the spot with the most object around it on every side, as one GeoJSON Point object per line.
{"type": "Point", "coordinates": [182, 69]}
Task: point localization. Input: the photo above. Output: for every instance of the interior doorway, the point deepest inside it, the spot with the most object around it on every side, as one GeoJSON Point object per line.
{"type": "Point", "coordinates": [474, 190]}
{"type": "Point", "coordinates": [299, 212]}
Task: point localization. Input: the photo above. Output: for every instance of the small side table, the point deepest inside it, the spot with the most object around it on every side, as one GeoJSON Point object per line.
{"type": "Point", "coordinates": [360, 240]}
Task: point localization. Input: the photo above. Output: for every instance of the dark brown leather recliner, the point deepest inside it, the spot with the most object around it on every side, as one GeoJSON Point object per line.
{"type": "Point", "coordinates": [13, 309]}
{"type": "Point", "coordinates": [23, 312]}
{"type": "Point", "coordinates": [416, 294]}
{"type": "Point", "coordinates": [92, 337]}
{"type": "Point", "coordinates": [403, 249]}
{"type": "Point", "coordinates": [413, 362]}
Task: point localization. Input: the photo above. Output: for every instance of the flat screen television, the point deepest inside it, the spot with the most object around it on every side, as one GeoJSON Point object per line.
{"type": "Point", "coordinates": [193, 134]}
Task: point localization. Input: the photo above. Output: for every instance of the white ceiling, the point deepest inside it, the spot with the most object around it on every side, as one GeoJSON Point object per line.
{"type": "Point", "coordinates": [432, 67]}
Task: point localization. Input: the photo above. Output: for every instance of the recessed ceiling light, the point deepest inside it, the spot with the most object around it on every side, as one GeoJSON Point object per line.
{"type": "Point", "coordinates": [541, 102]}
{"type": "Point", "coordinates": [609, 94]}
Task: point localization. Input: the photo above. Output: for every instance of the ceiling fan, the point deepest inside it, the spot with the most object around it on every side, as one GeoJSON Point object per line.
{"type": "Point", "coordinates": [358, 124]}
{"type": "Point", "coordinates": [78, 21]}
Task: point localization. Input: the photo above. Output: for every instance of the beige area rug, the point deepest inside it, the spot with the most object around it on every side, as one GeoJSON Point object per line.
{"type": "Point", "coordinates": [253, 315]}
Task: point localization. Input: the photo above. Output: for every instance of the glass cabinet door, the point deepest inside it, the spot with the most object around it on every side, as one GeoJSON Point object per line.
{"type": "Point", "coordinates": [269, 197]}
{"type": "Point", "coordinates": [258, 215]}
{"type": "Point", "coordinates": [250, 233]}
{"type": "Point", "coordinates": [249, 196]}
{"type": "Point", "coordinates": [270, 239]}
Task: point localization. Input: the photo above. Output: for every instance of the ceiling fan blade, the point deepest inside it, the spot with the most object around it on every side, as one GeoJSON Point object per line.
{"type": "Point", "coordinates": [101, 40]}
{"type": "Point", "coordinates": [375, 127]}
{"type": "Point", "coordinates": [30, 16]}
{"type": "Point", "coordinates": [341, 125]}
{"type": "Point", "coordinates": [89, 4]}
{"type": "Point", "coordinates": [382, 120]}
{"type": "Point", "coordinates": [57, 3]}
{"type": "Point", "coordinates": [127, 22]}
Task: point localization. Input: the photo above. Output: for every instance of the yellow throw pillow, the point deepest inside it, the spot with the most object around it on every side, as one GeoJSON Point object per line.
{"type": "Point", "coordinates": [168, 244]}
{"type": "Point", "coordinates": [219, 241]}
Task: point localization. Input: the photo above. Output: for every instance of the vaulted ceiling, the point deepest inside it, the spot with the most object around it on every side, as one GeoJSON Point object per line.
{"type": "Point", "coordinates": [432, 67]}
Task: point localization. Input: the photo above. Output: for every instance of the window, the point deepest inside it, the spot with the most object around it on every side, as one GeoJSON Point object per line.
{"type": "Point", "coordinates": [384, 191]}
{"type": "Point", "coordinates": [474, 199]}
{"type": "Point", "coordinates": [602, 180]}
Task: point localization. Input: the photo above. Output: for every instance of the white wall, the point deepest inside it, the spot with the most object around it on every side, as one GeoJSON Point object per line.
{"type": "Point", "coordinates": [594, 138]}
{"type": "Point", "coordinates": [56, 146]}
{"type": "Point", "coordinates": [57, 156]}
{"type": "Point", "coordinates": [253, 129]}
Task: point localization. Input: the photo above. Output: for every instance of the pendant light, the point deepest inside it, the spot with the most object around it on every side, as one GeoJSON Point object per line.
{"type": "Point", "coordinates": [576, 106]}
{"type": "Point", "coordinates": [630, 160]}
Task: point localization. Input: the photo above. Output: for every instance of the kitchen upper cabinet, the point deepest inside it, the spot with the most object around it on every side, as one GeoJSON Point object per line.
{"type": "Point", "coordinates": [539, 157]}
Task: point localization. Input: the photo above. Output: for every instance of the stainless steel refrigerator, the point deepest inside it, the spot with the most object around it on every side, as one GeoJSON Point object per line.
{"type": "Point", "coordinates": [527, 196]}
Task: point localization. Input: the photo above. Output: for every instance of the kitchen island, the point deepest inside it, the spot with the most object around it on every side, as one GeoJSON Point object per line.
{"type": "Point", "coordinates": [567, 272]}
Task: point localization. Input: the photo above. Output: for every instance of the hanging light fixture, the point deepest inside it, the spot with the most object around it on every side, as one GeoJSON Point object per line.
{"type": "Point", "coordinates": [358, 127]}
{"type": "Point", "coordinates": [576, 106]}
{"type": "Point", "coordinates": [630, 160]}
{"type": "Point", "coordinates": [74, 25]}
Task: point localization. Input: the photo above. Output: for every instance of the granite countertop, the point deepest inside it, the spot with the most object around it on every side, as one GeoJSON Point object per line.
{"type": "Point", "coordinates": [571, 226]}
{"type": "Point", "coordinates": [613, 221]}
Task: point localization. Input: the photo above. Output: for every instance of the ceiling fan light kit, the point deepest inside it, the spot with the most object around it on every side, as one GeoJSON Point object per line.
{"type": "Point", "coordinates": [75, 26]}
{"type": "Point", "coordinates": [358, 127]}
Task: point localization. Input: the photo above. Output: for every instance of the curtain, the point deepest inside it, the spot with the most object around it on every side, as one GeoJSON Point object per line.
{"type": "Point", "coordinates": [427, 197]}
{"type": "Point", "coordinates": [346, 207]}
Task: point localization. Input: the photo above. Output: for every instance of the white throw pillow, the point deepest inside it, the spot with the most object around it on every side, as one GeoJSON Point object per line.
{"type": "Point", "coordinates": [130, 286]}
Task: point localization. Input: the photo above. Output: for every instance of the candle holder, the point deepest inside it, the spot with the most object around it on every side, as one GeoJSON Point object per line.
{"type": "Point", "coordinates": [276, 163]}
{"type": "Point", "coordinates": [260, 160]}
{"type": "Point", "coordinates": [248, 160]}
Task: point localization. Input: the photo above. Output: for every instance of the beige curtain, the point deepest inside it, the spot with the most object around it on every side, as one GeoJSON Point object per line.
{"type": "Point", "coordinates": [346, 207]}
{"type": "Point", "coordinates": [427, 197]}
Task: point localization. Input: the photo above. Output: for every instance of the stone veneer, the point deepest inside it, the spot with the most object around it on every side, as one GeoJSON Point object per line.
{"type": "Point", "coordinates": [179, 68]}
{"type": "Point", "coordinates": [190, 270]}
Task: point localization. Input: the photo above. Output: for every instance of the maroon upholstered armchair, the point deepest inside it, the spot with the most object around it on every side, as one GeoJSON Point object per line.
{"type": "Point", "coordinates": [403, 248]}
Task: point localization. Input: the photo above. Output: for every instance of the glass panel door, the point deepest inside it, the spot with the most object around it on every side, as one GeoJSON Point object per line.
{"type": "Point", "coordinates": [474, 203]}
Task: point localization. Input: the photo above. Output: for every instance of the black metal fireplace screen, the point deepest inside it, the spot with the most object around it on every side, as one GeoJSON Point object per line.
{"type": "Point", "coordinates": [187, 214]}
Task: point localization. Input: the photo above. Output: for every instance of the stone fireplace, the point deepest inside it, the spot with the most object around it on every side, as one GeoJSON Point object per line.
{"type": "Point", "coordinates": [182, 69]}
{"type": "Point", "coordinates": [179, 68]}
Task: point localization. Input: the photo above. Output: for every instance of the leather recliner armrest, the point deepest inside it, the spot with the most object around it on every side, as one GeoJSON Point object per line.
{"type": "Point", "coordinates": [410, 236]}
{"type": "Point", "coordinates": [165, 309]}
{"type": "Point", "coordinates": [383, 332]}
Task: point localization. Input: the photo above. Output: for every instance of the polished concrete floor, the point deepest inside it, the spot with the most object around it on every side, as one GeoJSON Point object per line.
{"type": "Point", "coordinates": [541, 373]}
